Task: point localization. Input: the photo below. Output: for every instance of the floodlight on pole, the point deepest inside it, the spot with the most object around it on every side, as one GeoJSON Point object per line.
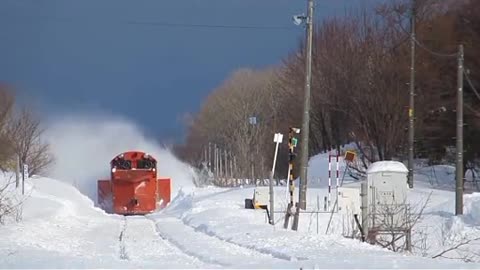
{"type": "Point", "coordinates": [299, 19]}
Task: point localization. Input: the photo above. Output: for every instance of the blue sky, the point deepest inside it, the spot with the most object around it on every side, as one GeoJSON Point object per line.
{"type": "Point", "coordinates": [117, 56]}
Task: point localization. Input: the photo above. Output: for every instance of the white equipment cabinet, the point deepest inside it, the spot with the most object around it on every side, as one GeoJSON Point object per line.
{"type": "Point", "coordinates": [387, 183]}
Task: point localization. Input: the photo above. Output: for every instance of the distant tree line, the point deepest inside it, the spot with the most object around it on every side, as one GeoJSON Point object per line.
{"type": "Point", "coordinates": [361, 69]}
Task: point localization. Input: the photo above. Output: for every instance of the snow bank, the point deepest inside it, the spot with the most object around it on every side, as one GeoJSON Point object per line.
{"type": "Point", "coordinates": [221, 216]}
{"type": "Point", "coordinates": [84, 145]}
{"type": "Point", "coordinates": [387, 166]}
{"type": "Point", "coordinates": [11, 198]}
{"type": "Point", "coordinates": [318, 170]}
{"type": "Point", "coordinates": [472, 208]}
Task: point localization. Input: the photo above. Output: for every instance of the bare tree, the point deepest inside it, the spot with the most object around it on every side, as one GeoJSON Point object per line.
{"type": "Point", "coordinates": [25, 134]}
{"type": "Point", "coordinates": [459, 248]}
{"type": "Point", "coordinates": [224, 121]}
{"type": "Point", "coordinates": [392, 224]}
{"type": "Point", "coordinates": [10, 205]}
{"type": "Point", "coordinates": [359, 91]}
{"type": "Point", "coordinates": [6, 107]}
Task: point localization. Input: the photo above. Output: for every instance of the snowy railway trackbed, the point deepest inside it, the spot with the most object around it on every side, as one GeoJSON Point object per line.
{"type": "Point", "coordinates": [121, 240]}
{"type": "Point", "coordinates": [211, 249]}
{"type": "Point", "coordinates": [139, 242]}
{"type": "Point", "coordinates": [266, 251]}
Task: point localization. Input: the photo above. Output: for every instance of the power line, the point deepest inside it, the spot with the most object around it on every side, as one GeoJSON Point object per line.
{"type": "Point", "coordinates": [161, 24]}
{"type": "Point", "coordinates": [433, 52]}
{"type": "Point", "coordinates": [477, 113]}
{"type": "Point", "coordinates": [187, 25]}
{"type": "Point", "coordinates": [471, 84]}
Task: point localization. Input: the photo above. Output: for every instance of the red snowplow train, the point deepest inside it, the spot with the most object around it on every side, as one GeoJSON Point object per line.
{"type": "Point", "coordinates": [133, 187]}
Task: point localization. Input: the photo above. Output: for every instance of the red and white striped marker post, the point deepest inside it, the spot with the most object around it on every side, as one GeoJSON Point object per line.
{"type": "Point", "coordinates": [330, 177]}
{"type": "Point", "coordinates": [329, 180]}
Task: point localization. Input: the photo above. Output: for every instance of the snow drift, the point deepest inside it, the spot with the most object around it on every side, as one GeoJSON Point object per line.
{"type": "Point", "coordinates": [83, 146]}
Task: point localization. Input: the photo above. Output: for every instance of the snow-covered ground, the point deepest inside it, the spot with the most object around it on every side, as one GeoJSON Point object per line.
{"type": "Point", "coordinates": [208, 227]}
{"type": "Point", "coordinates": [205, 228]}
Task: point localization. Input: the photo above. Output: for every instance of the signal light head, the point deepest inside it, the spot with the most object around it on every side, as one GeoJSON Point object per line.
{"type": "Point", "coordinates": [296, 130]}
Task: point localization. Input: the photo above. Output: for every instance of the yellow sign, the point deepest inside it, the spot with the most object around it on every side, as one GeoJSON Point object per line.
{"type": "Point", "coordinates": [350, 156]}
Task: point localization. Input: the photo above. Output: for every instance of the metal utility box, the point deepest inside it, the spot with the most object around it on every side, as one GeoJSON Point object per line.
{"type": "Point", "coordinates": [349, 201]}
{"type": "Point", "coordinates": [387, 195]}
{"type": "Point", "coordinates": [387, 182]}
{"type": "Point", "coordinates": [261, 197]}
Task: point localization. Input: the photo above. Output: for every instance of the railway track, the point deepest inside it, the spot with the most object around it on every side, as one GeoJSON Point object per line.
{"type": "Point", "coordinates": [139, 242]}
{"type": "Point", "coordinates": [211, 249]}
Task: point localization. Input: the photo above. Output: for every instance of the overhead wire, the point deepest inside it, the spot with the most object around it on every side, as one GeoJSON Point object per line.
{"type": "Point", "coordinates": [425, 47]}
{"type": "Point", "coordinates": [477, 113]}
{"type": "Point", "coordinates": [471, 84]}
{"type": "Point", "coordinates": [189, 25]}
{"type": "Point", "coordinates": [163, 24]}
{"type": "Point", "coordinates": [433, 52]}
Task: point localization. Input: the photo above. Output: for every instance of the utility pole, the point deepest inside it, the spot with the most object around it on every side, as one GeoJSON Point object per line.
{"type": "Point", "coordinates": [302, 204]}
{"type": "Point", "coordinates": [459, 137]}
{"type": "Point", "coordinates": [411, 112]}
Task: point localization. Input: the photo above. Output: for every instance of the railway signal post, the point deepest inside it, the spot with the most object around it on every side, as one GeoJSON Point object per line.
{"type": "Point", "coordinates": [292, 143]}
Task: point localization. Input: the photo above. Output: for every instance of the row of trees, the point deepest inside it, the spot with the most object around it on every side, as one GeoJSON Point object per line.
{"type": "Point", "coordinates": [361, 65]}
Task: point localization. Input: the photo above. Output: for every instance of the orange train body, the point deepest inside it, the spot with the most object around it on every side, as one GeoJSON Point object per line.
{"type": "Point", "coordinates": [133, 187]}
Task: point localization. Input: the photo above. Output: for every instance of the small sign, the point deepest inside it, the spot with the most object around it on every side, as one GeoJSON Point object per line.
{"type": "Point", "coordinates": [253, 120]}
{"type": "Point", "coordinates": [278, 138]}
{"type": "Point", "coordinates": [386, 193]}
{"type": "Point", "coordinates": [350, 156]}
{"type": "Point", "coordinates": [25, 171]}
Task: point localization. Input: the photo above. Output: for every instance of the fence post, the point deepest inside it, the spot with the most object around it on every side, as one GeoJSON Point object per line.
{"type": "Point", "coordinates": [17, 171]}
{"type": "Point", "coordinates": [364, 207]}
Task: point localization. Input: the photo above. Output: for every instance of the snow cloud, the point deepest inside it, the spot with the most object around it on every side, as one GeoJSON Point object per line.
{"type": "Point", "coordinates": [83, 146]}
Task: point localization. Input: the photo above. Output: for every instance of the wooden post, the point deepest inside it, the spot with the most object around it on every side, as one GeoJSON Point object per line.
{"type": "Point", "coordinates": [364, 207]}
{"type": "Point", "coordinates": [226, 165]}
{"type": "Point", "coordinates": [231, 166]}
{"type": "Point", "coordinates": [220, 164]}
{"type": "Point", "coordinates": [17, 171]}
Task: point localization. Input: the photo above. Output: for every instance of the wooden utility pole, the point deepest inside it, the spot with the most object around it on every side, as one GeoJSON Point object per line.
{"type": "Point", "coordinates": [459, 137]}
{"type": "Point", "coordinates": [411, 111]}
{"type": "Point", "coordinates": [302, 192]}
